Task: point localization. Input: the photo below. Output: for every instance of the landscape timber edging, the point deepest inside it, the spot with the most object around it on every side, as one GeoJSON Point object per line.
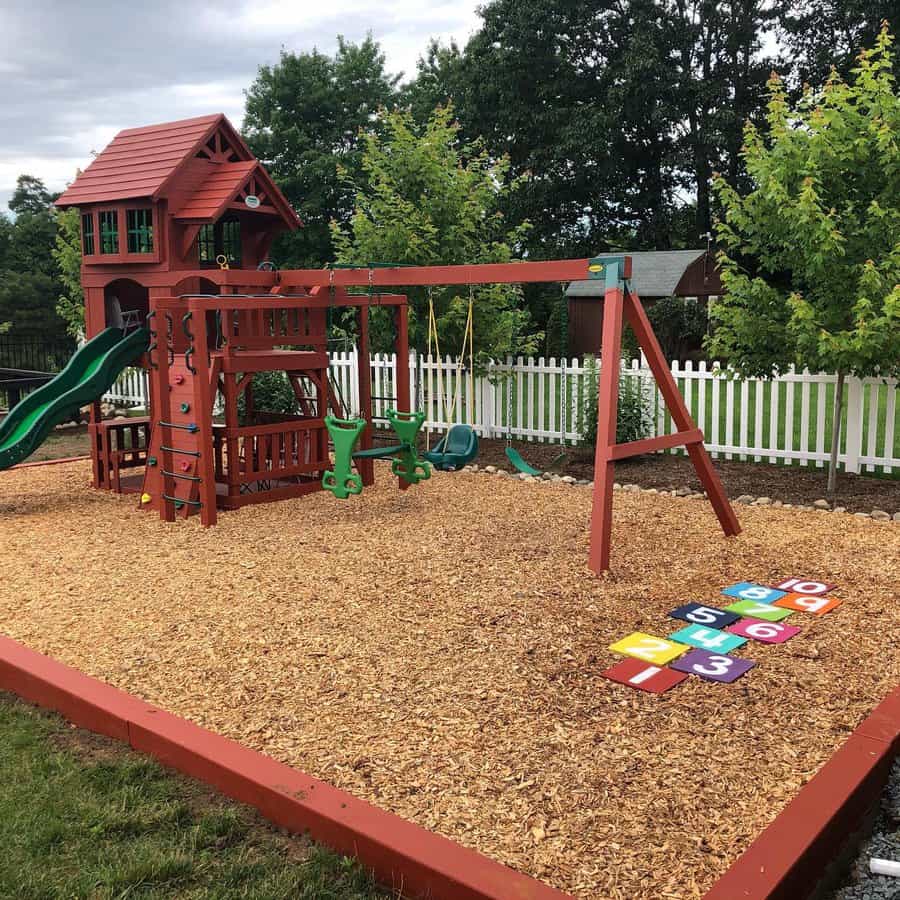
{"type": "Point", "coordinates": [787, 861]}
{"type": "Point", "coordinates": [405, 857]}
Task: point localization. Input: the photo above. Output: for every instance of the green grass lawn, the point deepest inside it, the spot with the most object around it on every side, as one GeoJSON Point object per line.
{"type": "Point", "coordinates": [83, 817]}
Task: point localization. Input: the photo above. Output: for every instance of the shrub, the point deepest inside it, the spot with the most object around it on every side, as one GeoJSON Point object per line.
{"type": "Point", "coordinates": [633, 420]}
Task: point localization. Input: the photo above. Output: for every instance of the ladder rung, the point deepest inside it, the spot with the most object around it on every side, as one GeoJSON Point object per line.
{"type": "Point", "coordinates": [195, 453]}
{"type": "Point", "coordinates": [182, 475]}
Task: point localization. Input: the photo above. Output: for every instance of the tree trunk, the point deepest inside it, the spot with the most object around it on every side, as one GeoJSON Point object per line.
{"type": "Point", "coordinates": [835, 433]}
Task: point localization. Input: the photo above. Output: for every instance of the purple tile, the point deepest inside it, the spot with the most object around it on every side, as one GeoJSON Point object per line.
{"type": "Point", "coordinates": [713, 666]}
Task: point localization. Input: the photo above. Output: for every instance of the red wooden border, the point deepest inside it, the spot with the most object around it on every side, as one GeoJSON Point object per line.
{"type": "Point", "coordinates": [48, 462]}
{"type": "Point", "coordinates": [403, 856]}
{"type": "Point", "coordinates": [787, 861]}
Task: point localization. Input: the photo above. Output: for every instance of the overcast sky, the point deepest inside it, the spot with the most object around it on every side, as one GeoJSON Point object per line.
{"type": "Point", "coordinates": [74, 72]}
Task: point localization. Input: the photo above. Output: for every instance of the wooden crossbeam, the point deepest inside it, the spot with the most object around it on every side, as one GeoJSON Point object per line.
{"type": "Point", "coordinates": [654, 444]}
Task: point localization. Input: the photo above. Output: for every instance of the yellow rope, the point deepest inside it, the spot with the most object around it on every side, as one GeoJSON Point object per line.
{"type": "Point", "coordinates": [468, 338]}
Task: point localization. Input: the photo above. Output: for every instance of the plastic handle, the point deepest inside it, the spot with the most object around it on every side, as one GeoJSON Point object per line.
{"type": "Point", "coordinates": [884, 867]}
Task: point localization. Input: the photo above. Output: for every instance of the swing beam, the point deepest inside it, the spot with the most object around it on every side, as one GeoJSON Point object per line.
{"type": "Point", "coordinates": [620, 305]}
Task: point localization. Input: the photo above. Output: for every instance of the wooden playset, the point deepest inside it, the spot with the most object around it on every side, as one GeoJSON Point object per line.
{"type": "Point", "coordinates": [177, 223]}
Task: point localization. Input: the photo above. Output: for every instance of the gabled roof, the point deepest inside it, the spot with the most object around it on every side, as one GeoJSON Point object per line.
{"type": "Point", "coordinates": [222, 186]}
{"type": "Point", "coordinates": [654, 273]}
{"type": "Point", "coordinates": [139, 162]}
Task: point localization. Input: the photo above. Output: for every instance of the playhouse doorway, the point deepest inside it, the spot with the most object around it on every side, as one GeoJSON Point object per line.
{"type": "Point", "coordinates": [126, 303]}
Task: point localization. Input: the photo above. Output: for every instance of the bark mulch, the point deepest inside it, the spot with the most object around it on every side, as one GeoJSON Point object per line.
{"type": "Point", "coordinates": [439, 653]}
{"type": "Point", "coordinates": [790, 484]}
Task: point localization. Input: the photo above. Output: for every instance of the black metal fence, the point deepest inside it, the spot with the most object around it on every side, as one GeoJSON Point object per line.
{"type": "Point", "coordinates": [34, 353]}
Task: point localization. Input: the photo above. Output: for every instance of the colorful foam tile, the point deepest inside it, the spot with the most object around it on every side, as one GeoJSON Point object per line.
{"type": "Point", "coordinates": [643, 676]}
{"type": "Point", "coordinates": [713, 666]}
{"type": "Point", "coordinates": [766, 632]}
{"type": "Point", "coordinates": [748, 590]}
{"type": "Point", "coordinates": [708, 638]}
{"type": "Point", "coordinates": [818, 605]}
{"type": "Point", "coordinates": [698, 614]}
{"type": "Point", "coordinates": [648, 648]}
{"type": "Point", "coordinates": [753, 610]}
{"type": "Point", "coordinates": [807, 586]}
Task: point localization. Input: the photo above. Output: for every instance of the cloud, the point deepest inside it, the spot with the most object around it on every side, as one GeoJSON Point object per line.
{"type": "Point", "coordinates": [76, 73]}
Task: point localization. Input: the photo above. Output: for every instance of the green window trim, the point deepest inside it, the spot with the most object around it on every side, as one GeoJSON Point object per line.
{"type": "Point", "coordinates": [221, 239]}
{"type": "Point", "coordinates": [109, 231]}
{"type": "Point", "coordinates": [139, 230]}
{"type": "Point", "coordinates": [87, 234]}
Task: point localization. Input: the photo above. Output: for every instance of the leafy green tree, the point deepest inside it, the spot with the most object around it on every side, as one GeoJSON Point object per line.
{"type": "Point", "coordinates": [304, 119]}
{"type": "Point", "coordinates": [811, 258]}
{"type": "Point", "coordinates": [823, 34]}
{"type": "Point", "coordinates": [431, 200]}
{"type": "Point", "coordinates": [67, 253]}
{"type": "Point", "coordinates": [31, 196]}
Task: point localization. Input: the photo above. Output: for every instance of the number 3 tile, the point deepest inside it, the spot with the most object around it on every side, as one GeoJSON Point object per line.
{"type": "Point", "coordinates": [713, 666]}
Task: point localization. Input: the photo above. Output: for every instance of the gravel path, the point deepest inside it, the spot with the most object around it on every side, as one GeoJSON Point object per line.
{"type": "Point", "coordinates": [884, 843]}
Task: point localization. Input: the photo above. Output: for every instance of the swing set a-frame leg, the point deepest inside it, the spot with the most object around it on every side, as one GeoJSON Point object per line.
{"type": "Point", "coordinates": [621, 303]}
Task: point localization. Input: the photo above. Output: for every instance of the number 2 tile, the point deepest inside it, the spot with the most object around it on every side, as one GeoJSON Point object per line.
{"type": "Point", "coordinates": [644, 676]}
{"type": "Point", "coordinates": [713, 666]}
{"type": "Point", "coordinates": [649, 648]}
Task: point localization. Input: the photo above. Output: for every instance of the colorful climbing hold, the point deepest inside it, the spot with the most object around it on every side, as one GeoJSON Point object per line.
{"type": "Point", "coordinates": [185, 466]}
{"type": "Point", "coordinates": [151, 460]}
{"type": "Point", "coordinates": [146, 498]}
{"type": "Point", "coordinates": [178, 379]}
{"type": "Point", "coordinates": [185, 407]}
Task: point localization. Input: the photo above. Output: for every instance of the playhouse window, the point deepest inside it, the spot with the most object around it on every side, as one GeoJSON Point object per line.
{"type": "Point", "coordinates": [221, 239]}
{"type": "Point", "coordinates": [109, 231]}
{"type": "Point", "coordinates": [140, 230]}
{"type": "Point", "coordinates": [87, 234]}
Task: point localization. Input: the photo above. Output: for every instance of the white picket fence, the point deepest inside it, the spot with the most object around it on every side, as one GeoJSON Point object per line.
{"type": "Point", "coordinates": [783, 420]}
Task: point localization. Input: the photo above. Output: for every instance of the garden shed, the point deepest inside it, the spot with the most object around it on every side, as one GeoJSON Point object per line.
{"type": "Point", "coordinates": [655, 274]}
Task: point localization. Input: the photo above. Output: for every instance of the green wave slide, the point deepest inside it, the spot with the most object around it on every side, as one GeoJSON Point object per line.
{"type": "Point", "coordinates": [89, 374]}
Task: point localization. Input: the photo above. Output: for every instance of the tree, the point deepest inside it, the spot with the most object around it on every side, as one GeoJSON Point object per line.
{"type": "Point", "coordinates": [431, 200]}
{"type": "Point", "coordinates": [819, 36]}
{"type": "Point", "coordinates": [31, 196]}
{"type": "Point", "coordinates": [811, 258]}
{"type": "Point", "coordinates": [304, 118]}
{"type": "Point", "coordinates": [67, 253]}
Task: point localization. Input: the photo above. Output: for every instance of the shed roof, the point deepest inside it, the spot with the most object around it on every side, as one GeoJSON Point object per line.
{"type": "Point", "coordinates": [654, 273]}
{"type": "Point", "coordinates": [138, 162]}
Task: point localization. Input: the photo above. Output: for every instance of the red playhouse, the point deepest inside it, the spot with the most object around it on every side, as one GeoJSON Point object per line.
{"type": "Point", "coordinates": [177, 221]}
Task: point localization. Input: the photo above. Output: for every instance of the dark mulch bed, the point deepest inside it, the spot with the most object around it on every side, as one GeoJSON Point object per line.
{"type": "Point", "coordinates": [790, 484]}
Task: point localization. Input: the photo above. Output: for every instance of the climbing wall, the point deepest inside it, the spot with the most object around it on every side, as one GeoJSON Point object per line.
{"type": "Point", "coordinates": [174, 472]}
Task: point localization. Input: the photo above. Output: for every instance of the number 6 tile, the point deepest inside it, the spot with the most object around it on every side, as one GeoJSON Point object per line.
{"type": "Point", "coordinates": [766, 632]}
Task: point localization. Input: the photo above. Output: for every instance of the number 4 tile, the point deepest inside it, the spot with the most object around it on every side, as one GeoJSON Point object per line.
{"type": "Point", "coordinates": [644, 676]}
{"type": "Point", "coordinates": [649, 648]}
{"type": "Point", "coordinates": [708, 638]}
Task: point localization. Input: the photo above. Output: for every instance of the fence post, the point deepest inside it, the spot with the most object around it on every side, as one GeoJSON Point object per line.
{"type": "Point", "coordinates": [487, 402]}
{"type": "Point", "coordinates": [854, 435]}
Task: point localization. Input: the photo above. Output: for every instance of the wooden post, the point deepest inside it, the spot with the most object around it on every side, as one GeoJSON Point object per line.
{"type": "Point", "coordinates": [607, 413]}
{"type": "Point", "coordinates": [366, 467]}
{"type": "Point", "coordinates": [708, 476]}
{"type": "Point", "coordinates": [203, 409]}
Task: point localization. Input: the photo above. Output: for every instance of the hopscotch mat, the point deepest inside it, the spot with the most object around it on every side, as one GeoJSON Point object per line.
{"type": "Point", "coordinates": [702, 646]}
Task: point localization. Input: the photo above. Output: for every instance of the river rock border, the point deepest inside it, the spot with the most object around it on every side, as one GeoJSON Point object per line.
{"type": "Point", "coordinates": [818, 506]}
